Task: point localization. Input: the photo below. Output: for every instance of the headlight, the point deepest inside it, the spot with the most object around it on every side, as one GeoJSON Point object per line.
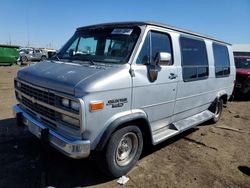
{"type": "Point", "coordinates": [18, 96]}
{"type": "Point", "coordinates": [75, 105]}
{"type": "Point", "coordinates": [70, 104]}
{"type": "Point", "coordinates": [65, 103]}
{"type": "Point", "coordinates": [18, 84]}
{"type": "Point", "coordinates": [70, 120]}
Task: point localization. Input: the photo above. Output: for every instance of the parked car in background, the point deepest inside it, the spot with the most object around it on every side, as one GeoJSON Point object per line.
{"type": "Point", "coordinates": [50, 52]}
{"type": "Point", "coordinates": [8, 54]}
{"type": "Point", "coordinates": [32, 54]}
{"type": "Point", "coordinates": [242, 63]}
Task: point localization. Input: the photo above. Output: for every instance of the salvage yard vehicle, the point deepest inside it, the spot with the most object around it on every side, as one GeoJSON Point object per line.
{"type": "Point", "coordinates": [242, 63]}
{"type": "Point", "coordinates": [32, 54]}
{"type": "Point", "coordinates": [113, 87]}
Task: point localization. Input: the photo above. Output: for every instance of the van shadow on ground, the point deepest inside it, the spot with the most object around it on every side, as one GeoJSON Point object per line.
{"type": "Point", "coordinates": [24, 162]}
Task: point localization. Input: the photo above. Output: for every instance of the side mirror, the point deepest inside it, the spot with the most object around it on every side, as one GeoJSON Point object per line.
{"type": "Point", "coordinates": [71, 52]}
{"type": "Point", "coordinates": [152, 73]}
{"type": "Point", "coordinates": [162, 58]}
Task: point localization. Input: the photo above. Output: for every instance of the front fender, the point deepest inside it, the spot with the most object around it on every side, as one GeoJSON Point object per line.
{"type": "Point", "coordinates": [119, 123]}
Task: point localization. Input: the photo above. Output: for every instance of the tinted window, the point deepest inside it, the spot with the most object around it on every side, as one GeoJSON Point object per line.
{"type": "Point", "coordinates": [194, 59]}
{"type": "Point", "coordinates": [221, 60]}
{"type": "Point", "coordinates": [159, 43]}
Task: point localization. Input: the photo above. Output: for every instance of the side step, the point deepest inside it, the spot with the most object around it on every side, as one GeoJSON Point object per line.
{"type": "Point", "coordinates": [180, 126]}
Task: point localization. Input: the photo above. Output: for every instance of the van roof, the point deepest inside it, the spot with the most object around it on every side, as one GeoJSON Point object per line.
{"type": "Point", "coordinates": [137, 23]}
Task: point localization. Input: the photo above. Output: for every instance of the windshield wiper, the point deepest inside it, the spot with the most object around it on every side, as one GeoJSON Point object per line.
{"type": "Point", "coordinates": [89, 60]}
{"type": "Point", "coordinates": [56, 56]}
{"type": "Point", "coordinates": [81, 61]}
{"type": "Point", "coordinates": [92, 62]}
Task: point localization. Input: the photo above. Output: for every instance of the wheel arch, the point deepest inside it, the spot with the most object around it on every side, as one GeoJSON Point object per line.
{"type": "Point", "coordinates": [224, 98]}
{"type": "Point", "coordinates": [221, 95]}
{"type": "Point", "coordinates": [137, 118]}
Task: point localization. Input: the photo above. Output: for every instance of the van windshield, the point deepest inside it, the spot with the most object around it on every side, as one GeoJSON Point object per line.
{"type": "Point", "coordinates": [107, 45]}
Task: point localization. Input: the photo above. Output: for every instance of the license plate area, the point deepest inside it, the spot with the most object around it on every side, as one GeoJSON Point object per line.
{"type": "Point", "coordinates": [238, 85]}
{"type": "Point", "coordinates": [35, 130]}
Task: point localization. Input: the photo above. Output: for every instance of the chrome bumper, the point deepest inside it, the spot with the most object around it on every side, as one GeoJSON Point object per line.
{"type": "Point", "coordinates": [71, 148]}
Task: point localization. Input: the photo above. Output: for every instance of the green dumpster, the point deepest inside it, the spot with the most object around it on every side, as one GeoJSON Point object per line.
{"type": "Point", "coordinates": [8, 54]}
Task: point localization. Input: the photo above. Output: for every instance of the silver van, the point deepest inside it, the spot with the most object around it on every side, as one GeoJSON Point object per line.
{"type": "Point", "coordinates": [113, 87]}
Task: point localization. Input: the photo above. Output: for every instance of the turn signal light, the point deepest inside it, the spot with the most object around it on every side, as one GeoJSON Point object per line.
{"type": "Point", "coordinates": [96, 106]}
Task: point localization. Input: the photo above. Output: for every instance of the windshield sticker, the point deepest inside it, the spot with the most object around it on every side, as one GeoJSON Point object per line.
{"type": "Point", "coordinates": [122, 31]}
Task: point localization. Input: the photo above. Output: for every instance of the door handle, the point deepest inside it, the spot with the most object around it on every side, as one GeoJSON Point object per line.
{"type": "Point", "coordinates": [172, 76]}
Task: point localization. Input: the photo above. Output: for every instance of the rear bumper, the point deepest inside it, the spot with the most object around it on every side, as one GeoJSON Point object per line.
{"type": "Point", "coordinates": [71, 148]}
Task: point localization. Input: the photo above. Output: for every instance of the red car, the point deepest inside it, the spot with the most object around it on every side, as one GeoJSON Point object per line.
{"type": "Point", "coordinates": [242, 63]}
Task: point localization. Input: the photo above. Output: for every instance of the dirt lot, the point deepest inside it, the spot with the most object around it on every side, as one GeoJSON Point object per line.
{"type": "Point", "coordinates": [206, 156]}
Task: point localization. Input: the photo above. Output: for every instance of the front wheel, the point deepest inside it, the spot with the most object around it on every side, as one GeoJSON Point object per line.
{"type": "Point", "coordinates": [217, 110]}
{"type": "Point", "coordinates": [123, 151]}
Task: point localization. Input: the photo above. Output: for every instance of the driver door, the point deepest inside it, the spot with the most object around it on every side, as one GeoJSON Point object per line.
{"type": "Point", "coordinates": [156, 98]}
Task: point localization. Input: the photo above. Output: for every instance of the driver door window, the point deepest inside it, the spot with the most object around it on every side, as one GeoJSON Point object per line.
{"type": "Point", "coordinates": [154, 43]}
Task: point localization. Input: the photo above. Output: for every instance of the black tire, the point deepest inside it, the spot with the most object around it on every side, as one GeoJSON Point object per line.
{"type": "Point", "coordinates": [43, 58]}
{"type": "Point", "coordinates": [24, 59]}
{"type": "Point", "coordinates": [217, 110]}
{"type": "Point", "coordinates": [118, 146]}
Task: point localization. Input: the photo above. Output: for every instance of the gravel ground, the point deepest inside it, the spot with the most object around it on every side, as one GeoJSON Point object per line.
{"type": "Point", "coordinates": [206, 156]}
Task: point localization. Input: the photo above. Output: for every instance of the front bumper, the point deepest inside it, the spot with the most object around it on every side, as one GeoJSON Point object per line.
{"type": "Point", "coordinates": [71, 148]}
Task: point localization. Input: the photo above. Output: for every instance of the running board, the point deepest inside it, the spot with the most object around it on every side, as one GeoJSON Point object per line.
{"type": "Point", "coordinates": [180, 126]}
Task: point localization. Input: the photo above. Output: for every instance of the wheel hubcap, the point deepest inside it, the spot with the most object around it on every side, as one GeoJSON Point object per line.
{"type": "Point", "coordinates": [127, 149]}
{"type": "Point", "coordinates": [217, 110]}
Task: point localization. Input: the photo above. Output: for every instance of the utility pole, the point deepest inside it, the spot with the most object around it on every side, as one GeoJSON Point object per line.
{"type": "Point", "coordinates": [27, 24]}
{"type": "Point", "coordinates": [9, 38]}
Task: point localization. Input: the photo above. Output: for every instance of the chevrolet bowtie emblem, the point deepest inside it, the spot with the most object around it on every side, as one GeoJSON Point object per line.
{"type": "Point", "coordinates": [33, 100]}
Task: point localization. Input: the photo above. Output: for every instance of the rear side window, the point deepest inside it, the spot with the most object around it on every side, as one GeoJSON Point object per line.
{"type": "Point", "coordinates": [221, 60]}
{"type": "Point", "coordinates": [194, 59]}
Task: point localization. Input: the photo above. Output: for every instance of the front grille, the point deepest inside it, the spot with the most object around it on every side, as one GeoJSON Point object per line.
{"type": "Point", "coordinates": [44, 96]}
{"type": "Point", "coordinates": [42, 104]}
{"type": "Point", "coordinates": [46, 121]}
{"type": "Point", "coordinates": [241, 81]}
{"type": "Point", "coordinates": [49, 113]}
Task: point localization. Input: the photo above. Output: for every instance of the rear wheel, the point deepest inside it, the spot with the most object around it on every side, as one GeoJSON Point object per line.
{"type": "Point", "coordinates": [217, 110]}
{"type": "Point", "coordinates": [122, 151]}
{"type": "Point", "coordinates": [43, 58]}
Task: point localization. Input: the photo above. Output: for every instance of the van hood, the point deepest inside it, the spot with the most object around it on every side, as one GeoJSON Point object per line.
{"type": "Point", "coordinates": [57, 75]}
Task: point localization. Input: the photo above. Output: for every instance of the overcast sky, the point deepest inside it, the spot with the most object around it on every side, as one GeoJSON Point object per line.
{"type": "Point", "coordinates": [48, 23]}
